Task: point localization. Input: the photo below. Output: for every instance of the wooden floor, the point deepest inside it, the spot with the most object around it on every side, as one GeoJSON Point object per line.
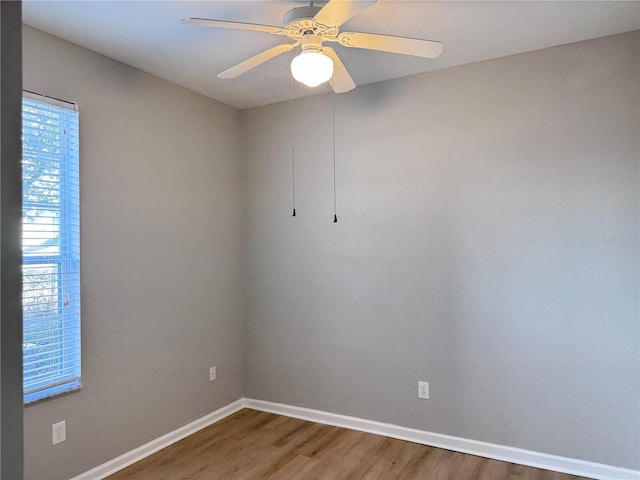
{"type": "Point", "coordinates": [252, 445]}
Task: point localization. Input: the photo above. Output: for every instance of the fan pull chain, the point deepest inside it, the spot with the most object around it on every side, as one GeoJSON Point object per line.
{"type": "Point", "coordinates": [293, 158]}
{"type": "Point", "coordinates": [335, 214]}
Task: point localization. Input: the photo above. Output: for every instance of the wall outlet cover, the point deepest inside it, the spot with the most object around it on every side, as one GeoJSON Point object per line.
{"type": "Point", "coordinates": [59, 432]}
{"type": "Point", "coordinates": [423, 390]}
{"type": "Point", "coordinates": [212, 374]}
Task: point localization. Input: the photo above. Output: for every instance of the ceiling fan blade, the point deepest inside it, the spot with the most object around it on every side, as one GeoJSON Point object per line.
{"type": "Point", "coordinates": [341, 81]}
{"type": "Point", "coordinates": [207, 22]}
{"type": "Point", "coordinates": [256, 60]}
{"type": "Point", "coordinates": [389, 43]}
{"type": "Point", "coordinates": [336, 12]}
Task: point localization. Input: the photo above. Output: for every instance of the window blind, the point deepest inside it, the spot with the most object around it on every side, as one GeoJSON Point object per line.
{"type": "Point", "coordinates": [51, 248]}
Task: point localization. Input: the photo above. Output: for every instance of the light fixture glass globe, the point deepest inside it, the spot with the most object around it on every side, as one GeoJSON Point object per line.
{"type": "Point", "coordinates": [311, 68]}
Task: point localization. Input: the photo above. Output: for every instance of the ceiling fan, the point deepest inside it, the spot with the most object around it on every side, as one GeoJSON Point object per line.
{"type": "Point", "coordinates": [309, 26]}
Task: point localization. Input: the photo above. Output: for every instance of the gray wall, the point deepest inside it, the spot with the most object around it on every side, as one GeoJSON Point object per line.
{"type": "Point", "coordinates": [487, 242]}
{"type": "Point", "coordinates": [11, 444]}
{"type": "Point", "coordinates": [161, 209]}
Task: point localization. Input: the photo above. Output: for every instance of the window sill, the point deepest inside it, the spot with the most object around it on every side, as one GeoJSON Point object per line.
{"type": "Point", "coordinates": [53, 396]}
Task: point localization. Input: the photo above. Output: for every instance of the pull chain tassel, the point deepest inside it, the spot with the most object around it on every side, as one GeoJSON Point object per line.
{"type": "Point", "coordinates": [335, 210]}
{"type": "Point", "coordinates": [293, 152]}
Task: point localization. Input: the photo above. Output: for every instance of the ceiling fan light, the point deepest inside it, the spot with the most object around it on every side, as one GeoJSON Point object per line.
{"type": "Point", "coordinates": [311, 68]}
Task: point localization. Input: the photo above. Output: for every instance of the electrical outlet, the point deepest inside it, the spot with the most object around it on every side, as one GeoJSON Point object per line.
{"type": "Point", "coordinates": [423, 390]}
{"type": "Point", "coordinates": [59, 432]}
{"type": "Point", "coordinates": [212, 374]}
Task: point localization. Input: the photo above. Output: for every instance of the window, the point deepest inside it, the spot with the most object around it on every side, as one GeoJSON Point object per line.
{"type": "Point", "coordinates": [51, 247]}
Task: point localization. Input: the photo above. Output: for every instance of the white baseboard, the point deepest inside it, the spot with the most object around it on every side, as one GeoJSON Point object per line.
{"type": "Point", "coordinates": [482, 449]}
{"type": "Point", "coordinates": [137, 454]}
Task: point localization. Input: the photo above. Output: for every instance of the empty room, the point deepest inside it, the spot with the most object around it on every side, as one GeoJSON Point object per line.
{"type": "Point", "coordinates": [320, 240]}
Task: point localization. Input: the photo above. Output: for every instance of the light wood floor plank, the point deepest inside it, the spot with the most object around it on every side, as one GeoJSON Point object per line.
{"type": "Point", "coordinates": [252, 445]}
{"type": "Point", "coordinates": [394, 457]}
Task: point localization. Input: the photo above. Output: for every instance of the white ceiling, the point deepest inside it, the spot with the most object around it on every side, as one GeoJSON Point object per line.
{"type": "Point", "coordinates": [149, 36]}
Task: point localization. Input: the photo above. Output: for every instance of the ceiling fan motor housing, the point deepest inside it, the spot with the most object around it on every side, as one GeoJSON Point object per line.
{"type": "Point", "coordinates": [301, 15]}
{"type": "Point", "coordinates": [300, 21]}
